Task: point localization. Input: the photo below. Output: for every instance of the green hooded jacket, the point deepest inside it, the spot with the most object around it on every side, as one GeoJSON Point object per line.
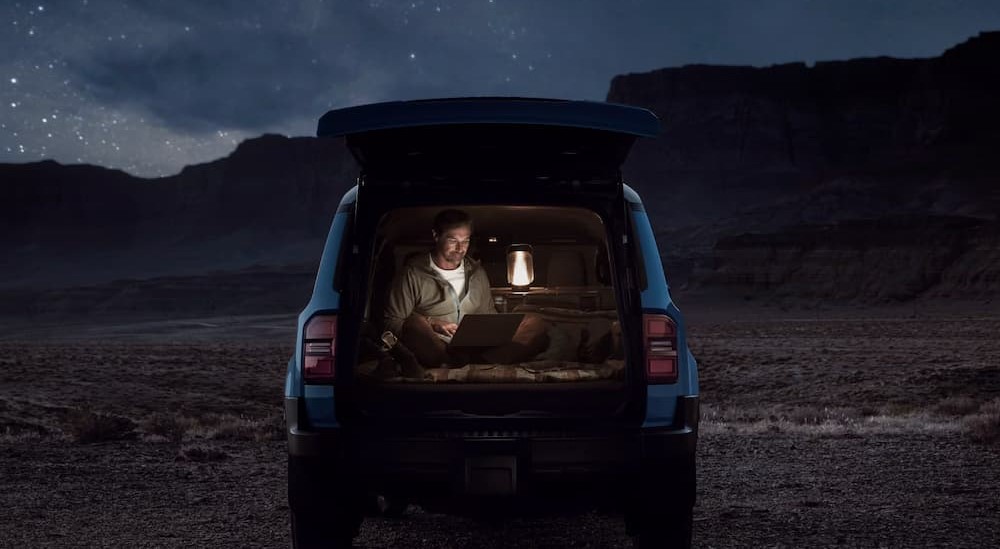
{"type": "Point", "coordinates": [418, 289]}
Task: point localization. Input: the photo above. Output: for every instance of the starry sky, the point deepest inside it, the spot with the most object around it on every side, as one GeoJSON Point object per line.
{"type": "Point", "coordinates": [149, 86]}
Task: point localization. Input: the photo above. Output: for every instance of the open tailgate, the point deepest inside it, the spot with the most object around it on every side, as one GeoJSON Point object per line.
{"type": "Point", "coordinates": [490, 137]}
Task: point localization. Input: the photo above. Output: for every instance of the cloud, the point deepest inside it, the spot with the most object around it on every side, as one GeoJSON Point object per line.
{"type": "Point", "coordinates": [149, 83]}
{"type": "Point", "coordinates": [200, 70]}
{"type": "Point", "coordinates": [204, 85]}
{"type": "Point", "coordinates": [269, 65]}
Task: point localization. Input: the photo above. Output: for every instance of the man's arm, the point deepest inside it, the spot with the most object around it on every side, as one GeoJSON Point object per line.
{"type": "Point", "coordinates": [401, 301]}
{"type": "Point", "coordinates": [481, 285]}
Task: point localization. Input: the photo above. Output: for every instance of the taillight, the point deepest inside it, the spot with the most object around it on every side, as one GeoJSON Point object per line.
{"type": "Point", "coordinates": [659, 336]}
{"type": "Point", "coordinates": [319, 348]}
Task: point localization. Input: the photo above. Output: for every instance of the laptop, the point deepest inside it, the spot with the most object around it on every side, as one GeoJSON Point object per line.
{"type": "Point", "coordinates": [486, 330]}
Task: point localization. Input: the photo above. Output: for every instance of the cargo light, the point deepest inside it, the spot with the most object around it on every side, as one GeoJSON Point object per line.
{"type": "Point", "coordinates": [659, 335]}
{"type": "Point", "coordinates": [319, 348]}
{"type": "Point", "coordinates": [520, 266]}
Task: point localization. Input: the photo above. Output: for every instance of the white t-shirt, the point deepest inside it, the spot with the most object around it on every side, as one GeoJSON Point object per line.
{"type": "Point", "coordinates": [455, 277]}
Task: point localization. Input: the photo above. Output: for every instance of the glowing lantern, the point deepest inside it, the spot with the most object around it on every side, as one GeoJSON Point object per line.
{"type": "Point", "coordinates": [520, 268]}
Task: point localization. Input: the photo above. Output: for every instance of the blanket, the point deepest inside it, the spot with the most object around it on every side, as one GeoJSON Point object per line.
{"type": "Point", "coordinates": [539, 371]}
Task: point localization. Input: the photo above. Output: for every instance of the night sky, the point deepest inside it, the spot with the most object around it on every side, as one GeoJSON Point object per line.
{"type": "Point", "coordinates": [151, 85]}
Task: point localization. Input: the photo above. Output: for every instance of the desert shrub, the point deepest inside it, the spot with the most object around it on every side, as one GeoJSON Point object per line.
{"type": "Point", "coordinates": [87, 426]}
{"type": "Point", "coordinates": [172, 427]}
{"type": "Point", "coordinates": [16, 426]}
{"type": "Point", "coordinates": [710, 413]}
{"type": "Point", "coordinates": [236, 428]}
{"type": "Point", "coordinates": [899, 409]}
{"type": "Point", "coordinates": [991, 407]}
{"type": "Point", "coordinates": [201, 453]}
{"type": "Point", "coordinates": [984, 427]}
{"type": "Point", "coordinates": [814, 415]}
{"type": "Point", "coordinates": [868, 410]}
{"type": "Point", "coordinates": [747, 414]}
{"type": "Point", "coordinates": [229, 427]}
{"type": "Point", "coordinates": [272, 428]}
{"type": "Point", "coordinates": [957, 406]}
{"type": "Point", "coordinates": [806, 416]}
{"type": "Point", "coordinates": [15, 435]}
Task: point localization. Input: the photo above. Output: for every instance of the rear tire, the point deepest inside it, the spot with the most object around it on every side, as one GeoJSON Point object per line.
{"type": "Point", "coordinates": [666, 531]}
{"type": "Point", "coordinates": [311, 531]}
{"type": "Point", "coordinates": [661, 515]}
{"type": "Point", "coordinates": [325, 512]}
{"type": "Point", "coordinates": [395, 506]}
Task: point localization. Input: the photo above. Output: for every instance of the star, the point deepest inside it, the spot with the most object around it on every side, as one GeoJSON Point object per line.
{"type": "Point", "coordinates": [134, 73]}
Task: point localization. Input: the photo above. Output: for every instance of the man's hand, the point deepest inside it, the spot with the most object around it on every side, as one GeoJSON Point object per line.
{"type": "Point", "coordinates": [443, 327]}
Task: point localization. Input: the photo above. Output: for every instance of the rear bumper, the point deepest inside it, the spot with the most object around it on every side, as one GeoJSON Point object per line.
{"type": "Point", "coordinates": [493, 463]}
{"type": "Point", "coordinates": [678, 439]}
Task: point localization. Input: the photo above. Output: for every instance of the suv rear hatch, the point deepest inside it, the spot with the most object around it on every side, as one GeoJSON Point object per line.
{"type": "Point", "coordinates": [483, 153]}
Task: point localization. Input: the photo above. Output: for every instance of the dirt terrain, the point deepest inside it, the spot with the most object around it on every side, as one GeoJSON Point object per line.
{"type": "Point", "coordinates": [855, 428]}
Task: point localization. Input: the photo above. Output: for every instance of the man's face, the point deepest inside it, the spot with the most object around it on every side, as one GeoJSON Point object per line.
{"type": "Point", "coordinates": [450, 246]}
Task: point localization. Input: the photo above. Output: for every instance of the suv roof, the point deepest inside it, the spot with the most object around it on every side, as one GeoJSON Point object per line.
{"type": "Point", "coordinates": [392, 115]}
{"type": "Point", "coordinates": [490, 137]}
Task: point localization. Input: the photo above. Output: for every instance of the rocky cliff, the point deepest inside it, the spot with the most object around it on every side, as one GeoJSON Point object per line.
{"type": "Point", "coordinates": [269, 202]}
{"type": "Point", "coordinates": [824, 181]}
{"type": "Point", "coordinates": [737, 137]}
{"type": "Point", "coordinates": [886, 259]}
{"type": "Point", "coordinates": [867, 179]}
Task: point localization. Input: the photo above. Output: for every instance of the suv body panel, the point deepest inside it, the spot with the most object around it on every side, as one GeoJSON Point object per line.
{"type": "Point", "coordinates": [422, 455]}
{"type": "Point", "coordinates": [397, 115]}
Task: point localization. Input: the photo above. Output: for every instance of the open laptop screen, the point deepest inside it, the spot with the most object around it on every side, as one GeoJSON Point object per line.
{"type": "Point", "coordinates": [486, 330]}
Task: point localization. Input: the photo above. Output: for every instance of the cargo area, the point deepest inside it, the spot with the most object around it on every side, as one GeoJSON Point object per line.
{"type": "Point", "coordinates": [571, 292]}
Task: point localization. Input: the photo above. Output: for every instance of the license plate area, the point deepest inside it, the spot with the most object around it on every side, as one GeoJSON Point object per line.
{"type": "Point", "coordinates": [491, 475]}
{"type": "Point", "coordinates": [491, 468]}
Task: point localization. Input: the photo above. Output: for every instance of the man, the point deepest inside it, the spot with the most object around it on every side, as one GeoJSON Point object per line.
{"type": "Point", "coordinates": [432, 292]}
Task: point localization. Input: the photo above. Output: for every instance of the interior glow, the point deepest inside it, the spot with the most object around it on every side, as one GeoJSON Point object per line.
{"type": "Point", "coordinates": [520, 267]}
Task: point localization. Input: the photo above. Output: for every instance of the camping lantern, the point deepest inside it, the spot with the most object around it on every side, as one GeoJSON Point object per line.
{"type": "Point", "coordinates": [520, 268]}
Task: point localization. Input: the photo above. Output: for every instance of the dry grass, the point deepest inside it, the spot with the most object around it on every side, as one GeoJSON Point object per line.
{"type": "Point", "coordinates": [201, 453]}
{"type": "Point", "coordinates": [984, 427]}
{"type": "Point", "coordinates": [18, 436]}
{"type": "Point", "coordinates": [824, 421]}
{"type": "Point", "coordinates": [230, 427]}
{"type": "Point", "coordinates": [87, 426]}
{"type": "Point", "coordinates": [794, 415]}
{"type": "Point", "coordinates": [172, 427]}
{"type": "Point", "coordinates": [958, 406]}
{"type": "Point", "coordinates": [178, 428]}
{"type": "Point", "coordinates": [896, 408]}
{"type": "Point", "coordinates": [896, 366]}
{"type": "Point", "coordinates": [23, 419]}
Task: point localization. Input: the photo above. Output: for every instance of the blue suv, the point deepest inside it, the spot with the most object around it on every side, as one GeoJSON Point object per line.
{"type": "Point", "coordinates": [603, 412]}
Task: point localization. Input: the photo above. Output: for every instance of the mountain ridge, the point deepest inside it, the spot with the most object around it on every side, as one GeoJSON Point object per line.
{"type": "Point", "coordinates": [746, 152]}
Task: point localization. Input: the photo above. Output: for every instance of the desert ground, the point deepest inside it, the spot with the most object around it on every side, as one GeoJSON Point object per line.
{"type": "Point", "coordinates": [853, 427]}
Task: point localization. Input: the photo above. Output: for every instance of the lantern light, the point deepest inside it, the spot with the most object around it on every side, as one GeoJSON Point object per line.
{"type": "Point", "coordinates": [520, 267]}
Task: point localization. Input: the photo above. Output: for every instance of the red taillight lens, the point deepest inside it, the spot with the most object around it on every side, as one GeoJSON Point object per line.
{"type": "Point", "coordinates": [659, 335]}
{"type": "Point", "coordinates": [319, 348]}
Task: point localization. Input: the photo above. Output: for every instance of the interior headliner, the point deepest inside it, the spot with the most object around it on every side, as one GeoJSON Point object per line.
{"type": "Point", "coordinates": [508, 223]}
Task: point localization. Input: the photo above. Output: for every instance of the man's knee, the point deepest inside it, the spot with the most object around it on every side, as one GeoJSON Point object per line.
{"type": "Point", "coordinates": [533, 330]}
{"type": "Point", "coordinates": [530, 339]}
{"type": "Point", "coordinates": [419, 337]}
